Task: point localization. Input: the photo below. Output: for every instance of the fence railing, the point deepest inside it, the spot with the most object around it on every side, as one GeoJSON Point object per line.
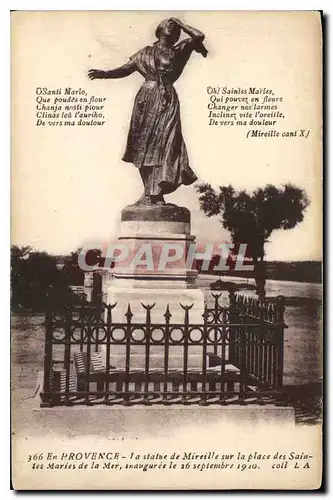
{"type": "Point", "coordinates": [234, 356]}
{"type": "Point", "coordinates": [263, 351]}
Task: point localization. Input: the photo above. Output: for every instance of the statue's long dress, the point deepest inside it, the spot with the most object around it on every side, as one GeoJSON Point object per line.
{"type": "Point", "coordinates": [155, 144]}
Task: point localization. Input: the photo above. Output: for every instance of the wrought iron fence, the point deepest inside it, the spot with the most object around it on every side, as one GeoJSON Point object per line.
{"type": "Point", "coordinates": [234, 356]}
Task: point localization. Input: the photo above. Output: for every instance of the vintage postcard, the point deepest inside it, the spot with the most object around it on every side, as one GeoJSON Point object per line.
{"type": "Point", "coordinates": [166, 249]}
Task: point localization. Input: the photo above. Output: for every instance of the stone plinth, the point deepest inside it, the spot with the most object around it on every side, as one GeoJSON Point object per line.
{"type": "Point", "coordinates": [155, 271]}
{"type": "Point", "coordinates": [147, 276]}
{"type": "Point", "coordinates": [158, 292]}
{"type": "Point", "coordinates": [156, 213]}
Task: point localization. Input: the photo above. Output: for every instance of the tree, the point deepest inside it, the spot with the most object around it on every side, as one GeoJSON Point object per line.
{"type": "Point", "coordinates": [72, 270]}
{"type": "Point", "coordinates": [18, 253]}
{"type": "Point", "coordinates": [252, 217]}
{"type": "Point", "coordinates": [75, 274]}
{"type": "Point", "coordinates": [36, 281]}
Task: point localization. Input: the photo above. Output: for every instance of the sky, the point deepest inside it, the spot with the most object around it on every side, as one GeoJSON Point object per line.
{"type": "Point", "coordinates": [69, 184]}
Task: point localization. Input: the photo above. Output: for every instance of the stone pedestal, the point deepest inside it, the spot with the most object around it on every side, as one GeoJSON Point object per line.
{"type": "Point", "coordinates": [152, 233]}
{"type": "Point", "coordinates": [88, 286]}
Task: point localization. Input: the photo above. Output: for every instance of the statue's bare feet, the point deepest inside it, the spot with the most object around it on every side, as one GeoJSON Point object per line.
{"type": "Point", "coordinates": [147, 199]}
{"type": "Point", "coordinates": [144, 200]}
{"type": "Point", "coordinates": [158, 200]}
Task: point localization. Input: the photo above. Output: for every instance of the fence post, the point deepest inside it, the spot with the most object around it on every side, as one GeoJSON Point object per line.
{"type": "Point", "coordinates": [186, 339]}
{"type": "Point", "coordinates": [45, 395]}
{"type": "Point", "coordinates": [108, 352]}
{"type": "Point", "coordinates": [233, 318]}
{"type": "Point", "coordinates": [216, 318]}
{"type": "Point", "coordinates": [280, 346]}
{"type": "Point", "coordinates": [148, 308]}
{"type": "Point", "coordinates": [203, 399]}
{"type": "Point", "coordinates": [128, 316]}
{"type": "Point", "coordinates": [167, 317]}
{"type": "Point", "coordinates": [67, 354]}
{"type": "Point", "coordinates": [243, 342]}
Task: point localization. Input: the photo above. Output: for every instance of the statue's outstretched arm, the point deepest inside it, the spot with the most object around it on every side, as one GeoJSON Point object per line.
{"type": "Point", "coordinates": [121, 72]}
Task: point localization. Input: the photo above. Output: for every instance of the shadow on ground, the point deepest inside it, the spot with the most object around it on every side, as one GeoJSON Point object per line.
{"type": "Point", "coordinates": [307, 401]}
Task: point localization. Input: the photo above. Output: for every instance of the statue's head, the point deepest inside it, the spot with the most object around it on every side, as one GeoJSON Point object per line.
{"type": "Point", "coordinates": [169, 30]}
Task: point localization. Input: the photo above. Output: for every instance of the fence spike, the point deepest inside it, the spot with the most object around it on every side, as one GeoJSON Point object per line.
{"type": "Point", "coordinates": [280, 308]}
{"type": "Point", "coordinates": [148, 307]}
{"type": "Point", "coordinates": [186, 315]}
{"type": "Point", "coordinates": [109, 307]}
{"type": "Point", "coordinates": [129, 313]}
{"type": "Point", "coordinates": [167, 313]}
{"type": "Point", "coordinates": [185, 307]}
{"type": "Point", "coordinates": [205, 314]}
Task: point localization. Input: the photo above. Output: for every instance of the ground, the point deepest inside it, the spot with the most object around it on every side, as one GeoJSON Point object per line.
{"type": "Point", "coordinates": [302, 366]}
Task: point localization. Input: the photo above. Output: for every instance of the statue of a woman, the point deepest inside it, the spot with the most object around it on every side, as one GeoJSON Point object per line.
{"type": "Point", "coordinates": [155, 144]}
